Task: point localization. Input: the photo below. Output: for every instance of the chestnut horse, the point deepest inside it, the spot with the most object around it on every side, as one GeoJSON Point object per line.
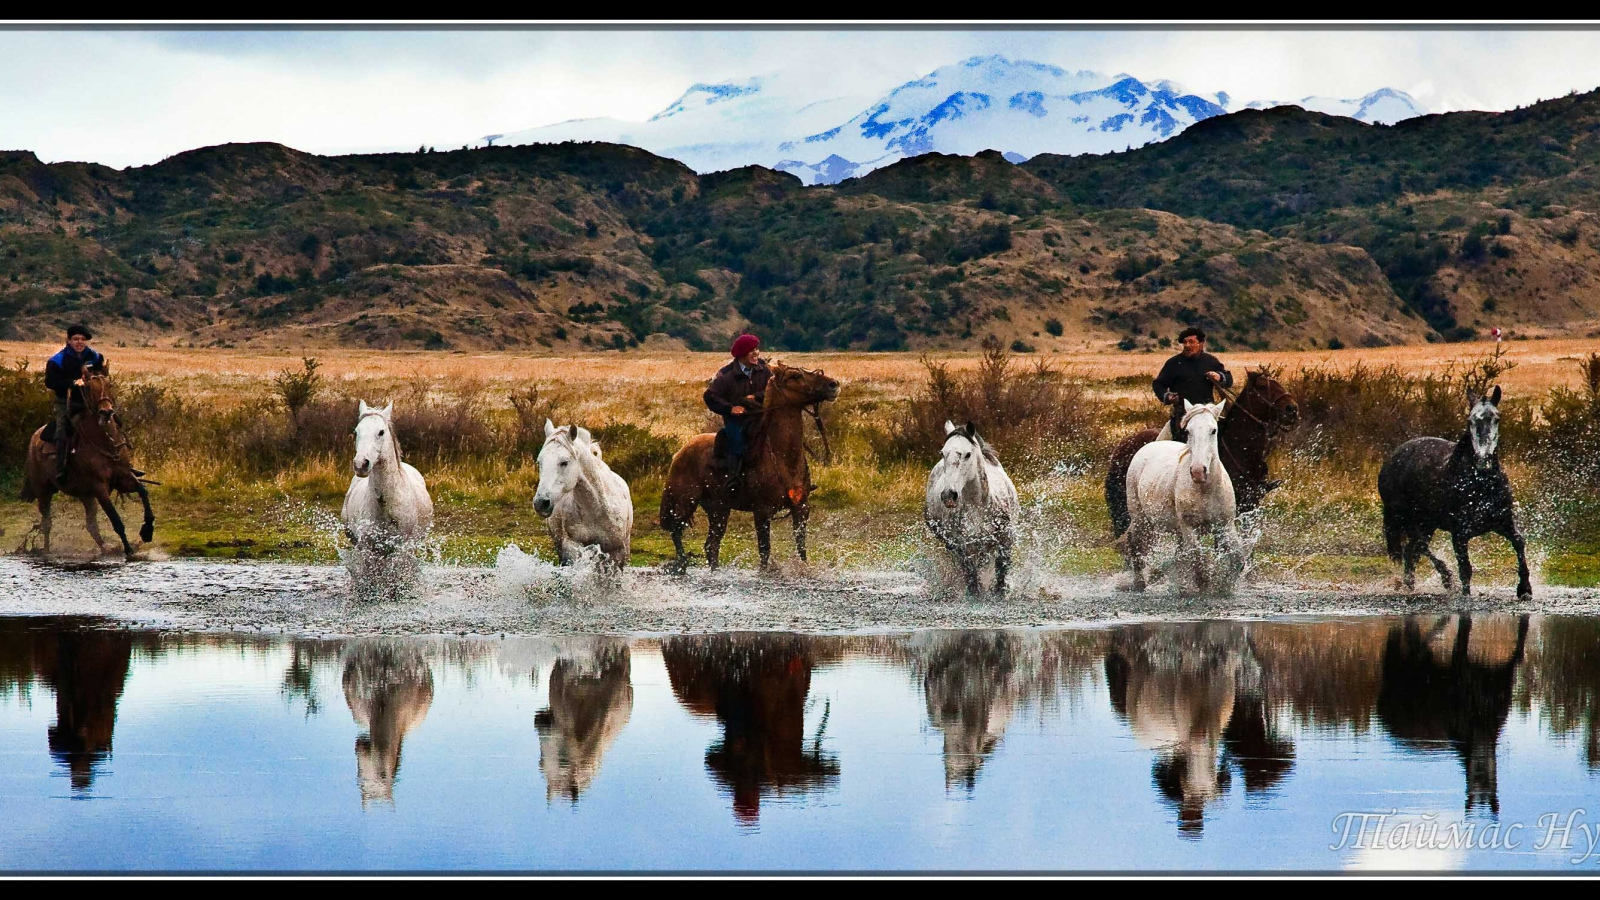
{"type": "Point", "coordinates": [776, 475]}
{"type": "Point", "coordinates": [102, 462]}
{"type": "Point", "coordinates": [1263, 409]}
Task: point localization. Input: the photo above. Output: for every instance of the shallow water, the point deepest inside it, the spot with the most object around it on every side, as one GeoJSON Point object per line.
{"type": "Point", "coordinates": [1145, 746]}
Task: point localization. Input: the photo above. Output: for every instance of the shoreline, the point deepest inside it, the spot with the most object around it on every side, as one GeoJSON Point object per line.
{"type": "Point", "coordinates": [526, 597]}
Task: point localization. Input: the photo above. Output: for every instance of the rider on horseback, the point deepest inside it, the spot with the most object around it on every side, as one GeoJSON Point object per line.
{"type": "Point", "coordinates": [60, 374]}
{"type": "Point", "coordinates": [736, 394]}
{"type": "Point", "coordinates": [1190, 376]}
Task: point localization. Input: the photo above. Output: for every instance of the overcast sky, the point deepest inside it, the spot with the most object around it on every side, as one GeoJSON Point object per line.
{"type": "Point", "coordinates": [127, 98]}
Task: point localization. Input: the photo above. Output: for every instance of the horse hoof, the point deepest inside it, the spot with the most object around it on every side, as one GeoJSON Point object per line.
{"type": "Point", "coordinates": [147, 533]}
{"type": "Point", "coordinates": [1525, 595]}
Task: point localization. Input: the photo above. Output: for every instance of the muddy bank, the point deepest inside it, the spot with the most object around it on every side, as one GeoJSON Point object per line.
{"type": "Point", "coordinates": [524, 595]}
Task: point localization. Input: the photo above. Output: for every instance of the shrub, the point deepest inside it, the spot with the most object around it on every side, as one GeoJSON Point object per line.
{"type": "Point", "coordinates": [632, 451]}
{"type": "Point", "coordinates": [25, 404]}
{"type": "Point", "coordinates": [296, 389]}
{"type": "Point", "coordinates": [1033, 415]}
{"type": "Point", "coordinates": [1127, 343]}
{"type": "Point", "coordinates": [1053, 326]}
{"type": "Point", "coordinates": [1021, 346]}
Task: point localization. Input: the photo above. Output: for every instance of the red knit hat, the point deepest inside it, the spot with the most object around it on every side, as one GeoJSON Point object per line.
{"type": "Point", "coordinates": [744, 344]}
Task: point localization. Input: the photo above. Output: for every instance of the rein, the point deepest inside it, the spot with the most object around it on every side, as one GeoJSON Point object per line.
{"type": "Point", "coordinates": [813, 408]}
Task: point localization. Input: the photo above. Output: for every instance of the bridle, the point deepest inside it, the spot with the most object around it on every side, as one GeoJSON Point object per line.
{"type": "Point", "coordinates": [813, 408]}
{"type": "Point", "coordinates": [119, 441]}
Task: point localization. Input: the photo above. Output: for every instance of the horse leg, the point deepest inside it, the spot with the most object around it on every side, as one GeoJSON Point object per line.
{"type": "Point", "coordinates": [1446, 577]}
{"type": "Point", "coordinates": [1416, 544]}
{"type": "Point", "coordinates": [110, 509]}
{"type": "Point", "coordinates": [716, 527]}
{"type": "Point", "coordinates": [1458, 540]}
{"type": "Point", "coordinates": [1510, 532]}
{"type": "Point", "coordinates": [1189, 558]}
{"type": "Point", "coordinates": [45, 498]}
{"type": "Point", "coordinates": [91, 523]}
{"type": "Point", "coordinates": [148, 530]}
{"type": "Point", "coordinates": [681, 563]}
{"type": "Point", "coordinates": [800, 515]}
{"type": "Point", "coordinates": [764, 538]}
{"type": "Point", "coordinates": [1002, 561]}
{"type": "Point", "coordinates": [1138, 537]}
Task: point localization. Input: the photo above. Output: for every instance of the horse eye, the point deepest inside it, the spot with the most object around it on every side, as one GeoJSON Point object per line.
{"type": "Point", "coordinates": [563, 464]}
{"type": "Point", "coordinates": [380, 432]}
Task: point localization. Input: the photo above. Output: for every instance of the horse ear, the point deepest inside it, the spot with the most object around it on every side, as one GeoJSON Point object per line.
{"type": "Point", "coordinates": [1472, 398]}
{"type": "Point", "coordinates": [949, 426]}
{"type": "Point", "coordinates": [363, 409]}
{"type": "Point", "coordinates": [572, 432]}
{"type": "Point", "coordinates": [1495, 397]}
{"type": "Point", "coordinates": [388, 411]}
{"type": "Point", "coordinates": [1187, 406]}
{"type": "Point", "coordinates": [971, 429]}
{"type": "Point", "coordinates": [549, 428]}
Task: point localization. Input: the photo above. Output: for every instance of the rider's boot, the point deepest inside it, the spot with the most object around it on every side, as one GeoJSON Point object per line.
{"type": "Point", "coordinates": [61, 465]}
{"type": "Point", "coordinates": [736, 472]}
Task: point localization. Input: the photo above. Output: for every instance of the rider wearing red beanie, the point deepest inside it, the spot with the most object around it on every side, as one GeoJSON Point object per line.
{"type": "Point", "coordinates": [736, 394]}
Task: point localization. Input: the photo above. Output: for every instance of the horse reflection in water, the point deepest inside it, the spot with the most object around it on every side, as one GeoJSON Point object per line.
{"type": "Point", "coordinates": [971, 685]}
{"type": "Point", "coordinates": [87, 668]}
{"type": "Point", "coordinates": [1193, 694]}
{"type": "Point", "coordinates": [591, 698]}
{"type": "Point", "coordinates": [756, 686]}
{"type": "Point", "coordinates": [389, 688]}
{"type": "Point", "coordinates": [1443, 692]}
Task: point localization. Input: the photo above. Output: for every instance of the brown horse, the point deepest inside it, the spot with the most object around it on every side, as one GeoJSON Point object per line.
{"type": "Point", "coordinates": [1263, 409]}
{"type": "Point", "coordinates": [776, 475]}
{"type": "Point", "coordinates": [101, 463]}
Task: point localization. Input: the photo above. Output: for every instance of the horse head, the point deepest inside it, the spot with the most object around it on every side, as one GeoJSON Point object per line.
{"type": "Point", "coordinates": [375, 440]}
{"type": "Point", "coordinates": [560, 465]}
{"type": "Point", "coordinates": [1483, 425]}
{"type": "Point", "coordinates": [97, 393]}
{"type": "Point", "coordinates": [1274, 406]}
{"type": "Point", "coordinates": [800, 387]}
{"type": "Point", "coordinates": [1200, 421]}
{"type": "Point", "coordinates": [962, 471]}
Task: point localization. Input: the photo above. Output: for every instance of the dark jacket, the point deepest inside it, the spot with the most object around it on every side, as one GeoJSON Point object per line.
{"type": "Point", "coordinates": [1186, 376]}
{"type": "Point", "coordinates": [66, 367]}
{"type": "Point", "coordinates": [731, 386]}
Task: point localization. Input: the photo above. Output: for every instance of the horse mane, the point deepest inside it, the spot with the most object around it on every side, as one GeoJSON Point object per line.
{"type": "Point", "coordinates": [977, 441]}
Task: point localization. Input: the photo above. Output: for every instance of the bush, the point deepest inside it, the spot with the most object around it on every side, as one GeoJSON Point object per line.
{"type": "Point", "coordinates": [1033, 416]}
{"type": "Point", "coordinates": [1021, 346]}
{"type": "Point", "coordinates": [1335, 344]}
{"type": "Point", "coordinates": [1127, 343]}
{"type": "Point", "coordinates": [25, 404]}
{"type": "Point", "coordinates": [1053, 326]}
{"type": "Point", "coordinates": [296, 389]}
{"type": "Point", "coordinates": [634, 452]}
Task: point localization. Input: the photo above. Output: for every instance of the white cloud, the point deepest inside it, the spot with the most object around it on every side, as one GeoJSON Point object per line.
{"type": "Point", "coordinates": [133, 97]}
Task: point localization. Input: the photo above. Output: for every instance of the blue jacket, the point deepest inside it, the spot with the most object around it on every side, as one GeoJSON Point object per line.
{"type": "Point", "coordinates": [67, 366]}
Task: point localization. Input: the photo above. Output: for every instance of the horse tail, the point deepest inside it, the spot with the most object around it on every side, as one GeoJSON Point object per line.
{"type": "Point", "coordinates": [1117, 496]}
{"type": "Point", "coordinates": [1393, 534]}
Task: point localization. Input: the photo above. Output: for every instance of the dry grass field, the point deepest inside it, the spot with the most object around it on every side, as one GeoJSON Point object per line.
{"type": "Point", "coordinates": [240, 479]}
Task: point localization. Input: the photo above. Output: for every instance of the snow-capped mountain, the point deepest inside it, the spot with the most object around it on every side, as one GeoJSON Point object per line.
{"type": "Point", "coordinates": [1384, 106]}
{"type": "Point", "coordinates": [712, 126]}
{"type": "Point", "coordinates": [1019, 107]}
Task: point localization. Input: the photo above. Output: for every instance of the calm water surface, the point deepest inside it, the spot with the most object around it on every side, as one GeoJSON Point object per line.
{"type": "Point", "coordinates": [1172, 746]}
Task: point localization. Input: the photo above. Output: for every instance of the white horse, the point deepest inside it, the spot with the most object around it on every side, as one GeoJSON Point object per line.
{"type": "Point", "coordinates": [972, 507]}
{"type": "Point", "coordinates": [1165, 495]}
{"type": "Point", "coordinates": [587, 503]}
{"type": "Point", "coordinates": [387, 506]}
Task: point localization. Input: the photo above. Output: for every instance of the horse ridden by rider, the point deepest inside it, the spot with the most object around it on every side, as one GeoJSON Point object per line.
{"type": "Point", "coordinates": [763, 412]}
{"type": "Point", "coordinates": [92, 459]}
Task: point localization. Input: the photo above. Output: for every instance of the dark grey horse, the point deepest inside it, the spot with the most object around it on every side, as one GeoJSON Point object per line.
{"type": "Point", "coordinates": [1430, 484]}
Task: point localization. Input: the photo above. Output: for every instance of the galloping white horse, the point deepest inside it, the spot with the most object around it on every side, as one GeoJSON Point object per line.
{"type": "Point", "coordinates": [587, 503]}
{"type": "Point", "coordinates": [972, 506]}
{"type": "Point", "coordinates": [387, 505]}
{"type": "Point", "coordinates": [1165, 495]}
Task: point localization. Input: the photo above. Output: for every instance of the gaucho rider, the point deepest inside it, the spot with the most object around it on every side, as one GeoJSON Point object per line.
{"type": "Point", "coordinates": [1190, 376]}
{"type": "Point", "coordinates": [736, 394]}
{"type": "Point", "coordinates": [60, 373]}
